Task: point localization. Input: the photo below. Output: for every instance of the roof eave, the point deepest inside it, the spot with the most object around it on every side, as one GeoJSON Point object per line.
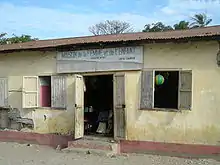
{"type": "Point", "coordinates": [140, 41]}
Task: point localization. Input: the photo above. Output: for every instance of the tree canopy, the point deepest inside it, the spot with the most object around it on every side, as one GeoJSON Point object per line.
{"type": "Point", "coordinates": [2, 35]}
{"type": "Point", "coordinates": [111, 27]}
{"type": "Point", "coordinates": [15, 39]}
{"type": "Point", "coordinates": [117, 27]}
{"type": "Point", "coordinates": [198, 20]}
{"type": "Point", "coordinates": [156, 27]}
{"type": "Point", "coordinates": [181, 25]}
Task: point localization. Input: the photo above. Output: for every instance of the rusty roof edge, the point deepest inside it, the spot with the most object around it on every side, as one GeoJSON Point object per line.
{"type": "Point", "coordinates": [211, 31]}
{"type": "Point", "coordinates": [53, 48]}
{"type": "Point", "coordinates": [92, 36]}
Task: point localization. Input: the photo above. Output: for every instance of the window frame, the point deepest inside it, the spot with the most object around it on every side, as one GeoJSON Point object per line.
{"type": "Point", "coordinates": [153, 70]}
{"type": "Point", "coordinates": [38, 94]}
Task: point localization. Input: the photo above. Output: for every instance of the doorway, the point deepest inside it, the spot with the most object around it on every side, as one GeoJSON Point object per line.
{"type": "Point", "coordinates": [98, 105]}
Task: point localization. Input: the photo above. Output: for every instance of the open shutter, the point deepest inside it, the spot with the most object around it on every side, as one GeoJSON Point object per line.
{"type": "Point", "coordinates": [147, 89]}
{"type": "Point", "coordinates": [79, 106]}
{"type": "Point", "coordinates": [119, 106]}
{"type": "Point", "coordinates": [3, 92]}
{"type": "Point", "coordinates": [30, 92]}
{"type": "Point", "coordinates": [58, 91]}
{"type": "Point", "coordinates": [185, 89]}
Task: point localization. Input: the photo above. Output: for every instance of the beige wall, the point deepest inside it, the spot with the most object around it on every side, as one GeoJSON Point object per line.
{"type": "Point", "coordinates": [17, 65]}
{"type": "Point", "coordinates": [201, 124]}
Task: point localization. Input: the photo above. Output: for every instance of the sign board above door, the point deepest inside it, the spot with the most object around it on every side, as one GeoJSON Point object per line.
{"type": "Point", "coordinates": [120, 58]}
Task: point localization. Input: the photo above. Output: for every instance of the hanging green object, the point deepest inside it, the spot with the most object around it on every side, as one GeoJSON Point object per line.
{"type": "Point", "coordinates": [159, 79]}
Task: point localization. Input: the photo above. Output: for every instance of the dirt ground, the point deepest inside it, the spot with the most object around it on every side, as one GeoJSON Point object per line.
{"type": "Point", "coordinates": [23, 154]}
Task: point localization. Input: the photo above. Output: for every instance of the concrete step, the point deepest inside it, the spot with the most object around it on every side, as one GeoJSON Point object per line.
{"type": "Point", "coordinates": [106, 139]}
{"type": "Point", "coordinates": [93, 146]}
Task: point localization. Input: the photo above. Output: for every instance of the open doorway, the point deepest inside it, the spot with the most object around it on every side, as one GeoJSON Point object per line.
{"type": "Point", "coordinates": [98, 102]}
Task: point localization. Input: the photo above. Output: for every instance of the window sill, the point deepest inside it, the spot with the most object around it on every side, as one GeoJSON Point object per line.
{"type": "Point", "coordinates": [46, 108]}
{"type": "Point", "coordinates": [51, 108]}
{"type": "Point", "coordinates": [162, 110]}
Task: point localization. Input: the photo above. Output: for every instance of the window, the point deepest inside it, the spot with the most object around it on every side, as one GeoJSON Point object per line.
{"type": "Point", "coordinates": [175, 92]}
{"type": "Point", "coordinates": [44, 91]}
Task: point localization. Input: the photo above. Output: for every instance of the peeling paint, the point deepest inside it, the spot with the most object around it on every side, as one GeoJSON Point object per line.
{"type": "Point", "coordinates": [37, 64]}
{"type": "Point", "coordinates": [59, 121]}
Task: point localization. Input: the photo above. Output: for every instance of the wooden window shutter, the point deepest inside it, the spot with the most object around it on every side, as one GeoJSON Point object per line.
{"type": "Point", "coordinates": [119, 89]}
{"type": "Point", "coordinates": [147, 89]}
{"type": "Point", "coordinates": [3, 91]}
{"type": "Point", "coordinates": [119, 109]}
{"type": "Point", "coordinates": [58, 91]}
{"type": "Point", "coordinates": [30, 92]}
{"type": "Point", "coordinates": [185, 90]}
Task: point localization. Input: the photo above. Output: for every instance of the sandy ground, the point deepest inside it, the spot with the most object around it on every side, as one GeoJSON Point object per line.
{"type": "Point", "coordinates": [23, 154]}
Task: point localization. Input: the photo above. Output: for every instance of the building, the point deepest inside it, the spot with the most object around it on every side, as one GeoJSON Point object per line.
{"type": "Point", "coordinates": [50, 81]}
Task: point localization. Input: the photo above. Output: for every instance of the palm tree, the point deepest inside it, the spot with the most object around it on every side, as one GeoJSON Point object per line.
{"type": "Point", "coordinates": [181, 25]}
{"type": "Point", "coordinates": [200, 20]}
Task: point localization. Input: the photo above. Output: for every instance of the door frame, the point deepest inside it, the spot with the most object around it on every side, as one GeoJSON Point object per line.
{"type": "Point", "coordinates": [113, 75]}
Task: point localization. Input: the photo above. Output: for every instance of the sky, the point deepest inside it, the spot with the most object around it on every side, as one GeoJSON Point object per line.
{"type": "Point", "coordinates": [46, 19]}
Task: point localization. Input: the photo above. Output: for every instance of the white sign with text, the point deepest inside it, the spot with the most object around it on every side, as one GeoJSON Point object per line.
{"type": "Point", "coordinates": [120, 58]}
{"type": "Point", "coordinates": [129, 54]}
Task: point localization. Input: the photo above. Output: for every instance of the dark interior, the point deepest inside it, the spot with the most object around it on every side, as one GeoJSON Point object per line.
{"type": "Point", "coordinates": [98, 101]}
{"type": "Point", "coordinates": [166, 95]}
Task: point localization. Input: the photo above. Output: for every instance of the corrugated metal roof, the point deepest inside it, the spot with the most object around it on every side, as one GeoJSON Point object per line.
{"type": "Point", "coordinates": [154, 36]}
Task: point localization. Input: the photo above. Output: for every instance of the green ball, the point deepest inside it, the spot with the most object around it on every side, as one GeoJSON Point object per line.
{"type": "Point", "coordinates": [159, 79]}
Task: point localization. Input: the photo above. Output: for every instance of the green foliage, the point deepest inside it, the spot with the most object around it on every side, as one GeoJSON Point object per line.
{"type": "Point", "coordinates": [156, 27]}
{"type": "Point", "coordinates": [2, 35]}
{"type": "Point", "coordinates": [181, 25]}
{"type": "Point", "coordinates": [15, 39]}
{"type": "Point", "coordinates": [199, 20]}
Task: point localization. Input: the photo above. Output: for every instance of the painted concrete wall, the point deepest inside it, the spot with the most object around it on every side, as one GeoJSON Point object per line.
{"type": "Point", "coordinates": [201, 125]}
{"type": "Point", "coordinates": [16, 65]}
